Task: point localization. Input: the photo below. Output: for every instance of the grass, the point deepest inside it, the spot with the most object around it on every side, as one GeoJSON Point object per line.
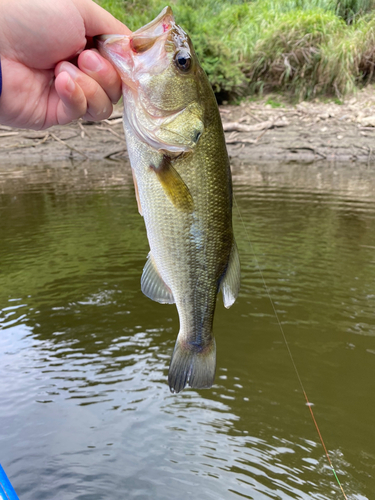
{"type": "Point", "coordinates": [303, 48]}
{"type": "Point", "coordinates": [273, 103]}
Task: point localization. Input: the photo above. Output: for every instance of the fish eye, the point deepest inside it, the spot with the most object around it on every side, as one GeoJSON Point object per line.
{"type": "Point", "coordinates": [183, 61]}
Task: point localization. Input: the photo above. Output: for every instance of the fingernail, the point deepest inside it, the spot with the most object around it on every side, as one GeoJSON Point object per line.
{"type": "Point", "coordinates": [70, 85]}
{"type": "Point", "coordinates": [91, 61]}
{"type": "Point", "coordinates": [70, 69]}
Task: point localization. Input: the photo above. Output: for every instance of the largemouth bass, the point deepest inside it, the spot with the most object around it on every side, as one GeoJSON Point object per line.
{"type": "Point", "coordinates": [183, 186]}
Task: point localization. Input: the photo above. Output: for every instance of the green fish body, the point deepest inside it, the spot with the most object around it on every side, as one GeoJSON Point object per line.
{"type": "Point", "coordinates": [183, 183]}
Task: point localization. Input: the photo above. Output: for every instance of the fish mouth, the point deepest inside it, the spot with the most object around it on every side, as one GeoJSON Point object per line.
{"type": "Point", "coordinates": [150, 32]}
{"type": "Point", "coordinates": [116, 49]}
{"type": "Point", "coordinates": [121, 49]}
{"type": "Point", "coordinates": [161, 24]}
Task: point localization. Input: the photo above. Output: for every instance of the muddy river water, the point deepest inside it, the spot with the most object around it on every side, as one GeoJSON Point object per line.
{"type": "Point", "coordinates": [85, 409]}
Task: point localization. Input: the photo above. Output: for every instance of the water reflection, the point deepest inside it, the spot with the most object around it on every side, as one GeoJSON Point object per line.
{"type": "Point", "coordinates": [84, 403]}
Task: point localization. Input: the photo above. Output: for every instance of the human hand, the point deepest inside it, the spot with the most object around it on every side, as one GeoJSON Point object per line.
{"type": "Point", "coordinates": [40, 87]}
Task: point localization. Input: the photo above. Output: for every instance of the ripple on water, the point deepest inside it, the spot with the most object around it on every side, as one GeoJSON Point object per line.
{"type": "Point", "coordinates": [84, 402]}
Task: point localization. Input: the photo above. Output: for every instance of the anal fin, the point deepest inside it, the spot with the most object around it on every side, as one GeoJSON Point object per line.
{"type": "Point", "coordinates": [152, 283]}
{"type": "Point", "coordinates": [230, 285]}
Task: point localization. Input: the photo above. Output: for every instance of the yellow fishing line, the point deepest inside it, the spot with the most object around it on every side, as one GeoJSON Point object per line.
{"type": "Point", "coordinates": [289, 351]}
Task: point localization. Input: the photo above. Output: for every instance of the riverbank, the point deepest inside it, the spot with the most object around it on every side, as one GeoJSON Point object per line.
{"type": "Point", "coordinates": [303, 48]}
{"type": "Point", "coordinates": [260, 131]}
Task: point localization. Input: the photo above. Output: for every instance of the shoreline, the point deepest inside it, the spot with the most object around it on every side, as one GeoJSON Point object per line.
{"type": "Point", "coordinates": [308, 132]}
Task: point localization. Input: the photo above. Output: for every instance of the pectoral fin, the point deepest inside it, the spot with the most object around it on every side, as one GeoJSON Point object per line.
{"type": "Point", "coordinates": [152, 284]}
{"type": "Point", "coordinates": [173, 185]}
{"type": "Point", "coordinates": [230, 285]}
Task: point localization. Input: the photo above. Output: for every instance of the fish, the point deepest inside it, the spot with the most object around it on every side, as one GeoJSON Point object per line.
{"type": "Point", "coordinates": [183, 186]}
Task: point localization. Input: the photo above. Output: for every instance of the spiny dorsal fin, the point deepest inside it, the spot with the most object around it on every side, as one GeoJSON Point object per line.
{"type": "Point", "coordinates": [152, 284]}
{"type": "Point", "coordinates": [230, 285]}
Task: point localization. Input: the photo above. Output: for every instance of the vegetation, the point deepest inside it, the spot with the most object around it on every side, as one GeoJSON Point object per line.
{"type": "Point", "coordinates": [302, 47]}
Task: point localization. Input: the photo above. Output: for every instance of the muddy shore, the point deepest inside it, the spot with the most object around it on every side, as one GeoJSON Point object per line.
{"type": "Point", "coordinates": [307, 132]}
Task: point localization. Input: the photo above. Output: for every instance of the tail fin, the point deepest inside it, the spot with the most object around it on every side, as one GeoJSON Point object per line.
{"type": "Point", "coordinates": [193, 365]}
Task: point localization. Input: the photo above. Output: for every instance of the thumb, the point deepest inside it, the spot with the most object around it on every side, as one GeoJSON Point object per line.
{"type": "Point", "coordinates": [98, 21]}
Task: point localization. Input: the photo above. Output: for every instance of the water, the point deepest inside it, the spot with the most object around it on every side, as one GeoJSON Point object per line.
{"type": "Point", "coordinates": [85, 410]}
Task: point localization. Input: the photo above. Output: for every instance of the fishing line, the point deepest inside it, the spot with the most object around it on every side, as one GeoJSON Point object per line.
{"type": "Point", "coordinates": [289, 351]}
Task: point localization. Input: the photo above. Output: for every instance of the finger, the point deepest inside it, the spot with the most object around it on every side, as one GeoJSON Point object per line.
{"type": "Point", "coordinates": [98, 21]}
{"type": "Point", "coordinates": [99, 105]}
{"type": "Point", "coordinates": [72, 104]}
{"type": "Point", "coordinates": [100, 70]}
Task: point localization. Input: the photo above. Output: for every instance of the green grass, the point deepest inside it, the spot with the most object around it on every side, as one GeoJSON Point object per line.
{"type": "Point", "coordinates": [273, 103]}
{"type": "Point", "coordinates": [303, 48]}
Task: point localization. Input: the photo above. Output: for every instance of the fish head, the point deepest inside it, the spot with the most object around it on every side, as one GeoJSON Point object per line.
{"type": "Point", "coordinates": [161, 82]}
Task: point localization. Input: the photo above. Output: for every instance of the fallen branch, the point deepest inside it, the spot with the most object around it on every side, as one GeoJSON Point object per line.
{"type": "Point", "coordinates": [18, 145]}
{"type": "Point", "coordinates": [21, 146]}
{"type": "Point", "coordinates": [245, 118]}
{"type": "Point", "coordinates": [67, 145]}
{"type": "Point", "coordinates": [8, 134]}
{"type": "Point", "coordinates": [113, 121]}
{"type": "Point", "coordinates": [234, 139]}
{"type": "Point", "coordinates": [240, 127]}
{"type": "Point", "coordinates": [83, 131]}
{"type": "Point", "coordinates": [110, 156]}
{"type": "Point", "coordinates": [306, 148]}
{"type": "Point", "coordinates": [365, 148]}
{"type": "Point", "coordinates": [115, 115]}
{"type": "Point", "coordinates": [36, 135]}
{"type": "Point", "coordinates": [262, 134]}
{"type": "Point", "coordinates": [111, 131]}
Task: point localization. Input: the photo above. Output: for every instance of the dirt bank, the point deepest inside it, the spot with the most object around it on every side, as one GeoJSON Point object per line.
{"type": "Point", "coordinates": [255, 131]}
